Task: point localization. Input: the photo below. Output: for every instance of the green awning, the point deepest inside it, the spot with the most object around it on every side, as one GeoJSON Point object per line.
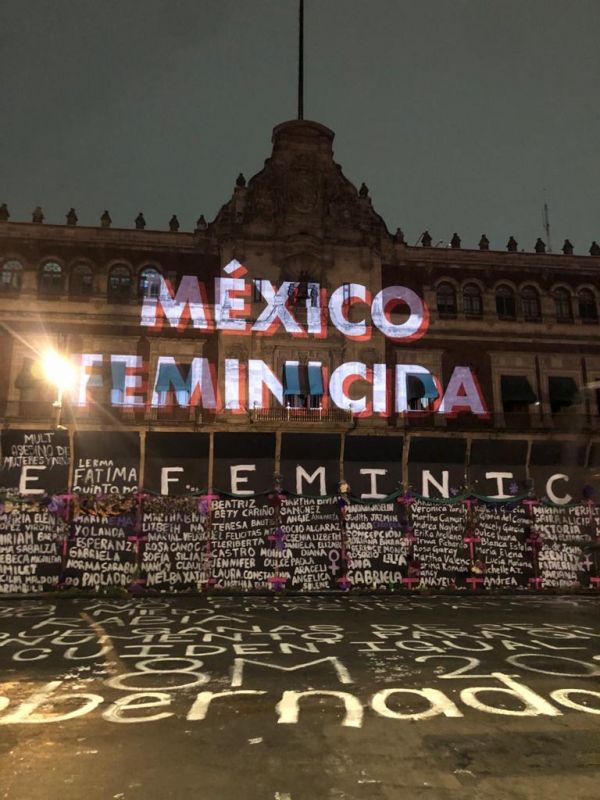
{"type": "Point", "coordinates": [315, 379]}
{"type": "Point", "coordinates": [421, 385]}
{"type": "Point", "coordinates": [291, 378]}
{"type": "Point", "coordinates": [117, 369]}
{"type": "Point", "coordinates": [169, 377]}
{"type": "Point", "coordinates": [562, 390]}
{"type": "Point", "coordinates": [517, 389]}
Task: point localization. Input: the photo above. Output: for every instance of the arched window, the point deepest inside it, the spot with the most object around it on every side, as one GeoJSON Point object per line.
{"type": "Point", "coordinates": [81, 282]}
{"type": "Point", "coordinates": [119, 284]}
{"type": "Point", "coordinates": [446, 300]}
{"type": "Point", "coordinates": [51, 278]}
{"type": "Point", "coordinates": [472, 304]}
{"type": "Point", "coordinates": [149, 282]}
{"type": "Point", "coordinates": [11, 276]}
{"type": "Point", "coordinates": [530, 303]}
{"type": "Point", "coordinates": [562, 305]}
{"type": "Point", "coordinates": [505, 302]}
{"type": "Point", "coordinates": [588, 310]}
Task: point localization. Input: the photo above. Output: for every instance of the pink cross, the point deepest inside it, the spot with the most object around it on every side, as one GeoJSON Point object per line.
{"type": "Point", "coordinates": [537, 581]}
{"type": "Point", "coordinates": [406, 500]}
{"type": "Point", "coordinates": [343, 582]}
{"type": "Point", "coordinates": [472, 539]}
{"type": "Point", "coordinates": [469, 503]}
{"type": "Point", "coordinates": [596, 582]}
{"type": "Point", "coordinates": [277, 581]}
{"type": "Point", "coordinates": [411, 581]}
{"type": "Point", "coordinates": [137, 538]}
{"type": "Point", "coordinates": [209, 497]}
{"type": "Point", "coordinates": [474, 581]}
{"type": "Point", "coordinates": [530, 504]}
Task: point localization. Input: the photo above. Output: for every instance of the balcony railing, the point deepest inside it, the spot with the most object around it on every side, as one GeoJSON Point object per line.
{"type": "Point", "coordinates": [303, 415]}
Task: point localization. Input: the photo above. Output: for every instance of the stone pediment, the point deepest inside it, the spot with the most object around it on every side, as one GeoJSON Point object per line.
{"type": "Point", "coordinates": [301, 190]}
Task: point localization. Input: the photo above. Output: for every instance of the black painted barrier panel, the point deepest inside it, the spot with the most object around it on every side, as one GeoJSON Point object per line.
{"type": "Point", "coordinates": [241, 553]}
{"type": "Point", "coordinates": [244, 463]}
{"type": "Point", "coordinates": [310, 463]}
{"type": "Point", "coordinates": [312, 556]}
{"type": "Point", "coordinates": [176, 549]}
{"type": "Point", "coordinates": [32, 463]}
{"type": "Point", "coordinates": [105, 534]}
{"type": "Point", "coordinates": [373, 465]}
{"type": "Point", "coordinates": [176, 463]}
{"type": "Point", "coordinates": [565, 535]}
{"type": "Point", "coordinates": [380, 546]}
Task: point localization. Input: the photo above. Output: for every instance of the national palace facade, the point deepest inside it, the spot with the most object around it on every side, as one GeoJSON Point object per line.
{"type": "Point", "coordinates": [296, 311]}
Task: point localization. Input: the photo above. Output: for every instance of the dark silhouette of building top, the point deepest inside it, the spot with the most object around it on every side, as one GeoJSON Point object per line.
{"type": "Point", "coordinates": [301, 190]}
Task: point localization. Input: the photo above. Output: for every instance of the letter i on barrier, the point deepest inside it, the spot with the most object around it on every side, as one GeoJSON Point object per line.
{"type": "Point", "coordinates": [343, 581]}
{"type": "Point", "coordinates": [277, 536]}
{"type": "Point", "coordinates": [535, 542]}
{"type": "Point", "coordinates": [413, 573]}
{"type": "Point", "coordinates": [205, 511]}
{"type": "Point", "coordinates": [138, 538]}
{"type": "Point", "coordinates": [471, 538]}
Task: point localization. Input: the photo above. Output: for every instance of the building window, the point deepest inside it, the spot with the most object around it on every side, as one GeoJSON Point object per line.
{"type": "Point", "coordinates": [11, 277]}
{"type": "Point", "coordinates": [315, 384]}
{"type": "Point", "coordinates": [505, 302]}
{"type": "Point", "coordinates": [530, 303]}
{"type": "Point", "coordinates": [446, 300]}
{"type": "Point", "coordinates": [149, 283]}
{"type": "Point", "coordinates": [517, 394]}
{"type": "Point", "coordinates": [421, 392]}
{"type": "Point", "coordinates": [303, 384]}
{"type": "Point", "coordinates": [51, 278]}
{"type": "Point", "coordinates": [563, 393]}
{"type": "Point", "coordinates": [562, 305]}
{"type": "Point", "coordinates": [81, 282]}
{"type": "Point", "coordinates": [472, 305]}
{"type": "Point", "coordinates": [174, 380]}
{"type": "Point", "coordinates": [119, 284]}
{"type": "Point", "coordinates": [588, 310]}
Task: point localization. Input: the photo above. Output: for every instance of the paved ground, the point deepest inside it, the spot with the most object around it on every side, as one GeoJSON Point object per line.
{"type": "Point", "coordinates": [300, 699]}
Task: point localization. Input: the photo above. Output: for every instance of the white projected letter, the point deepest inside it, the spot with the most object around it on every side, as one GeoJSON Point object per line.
{"type": "Point", "coordinates": [462, 394]}
{"type": "Point", "coordinates": [418, 318]}
{"type": "Point", "coordinates": [88, 361]}
{"type": "Point", "coordinates": [275, 311]}
{"type": "Point", "coordinates": [339, 382]}
{"type": "Point", "coordinates": [340, 301]}
{"type": "Point", "coordinates": [189, 296]}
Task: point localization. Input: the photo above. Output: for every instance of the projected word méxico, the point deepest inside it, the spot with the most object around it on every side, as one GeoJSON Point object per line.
{"type": "Point", "coordinates": [396, 312]}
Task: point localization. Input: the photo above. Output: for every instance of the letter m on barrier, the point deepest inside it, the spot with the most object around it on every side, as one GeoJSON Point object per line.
{"type": "Point", "coordinates": [340, 670]}
{"type": "Point", "coordinates": [188, 303]}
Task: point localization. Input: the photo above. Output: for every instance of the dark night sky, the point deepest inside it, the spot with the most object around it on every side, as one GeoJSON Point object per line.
{"type": "Point", "coordinates": [456, 113]}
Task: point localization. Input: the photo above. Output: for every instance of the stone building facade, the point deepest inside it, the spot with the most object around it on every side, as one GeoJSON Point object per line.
{"type": "Point", "coordinates": [524, 324]}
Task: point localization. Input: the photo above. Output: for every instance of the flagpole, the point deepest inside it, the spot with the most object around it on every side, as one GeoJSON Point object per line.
{"type": "Point", "coordinates": [301, 62]}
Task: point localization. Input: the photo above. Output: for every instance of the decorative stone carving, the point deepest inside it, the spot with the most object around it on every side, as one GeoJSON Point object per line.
{"type": "Point", "coordinates": [301, 190]}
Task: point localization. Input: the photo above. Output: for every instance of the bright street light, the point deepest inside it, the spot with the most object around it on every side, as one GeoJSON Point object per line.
{"type": "Point", "coordinates": [59, 371]}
